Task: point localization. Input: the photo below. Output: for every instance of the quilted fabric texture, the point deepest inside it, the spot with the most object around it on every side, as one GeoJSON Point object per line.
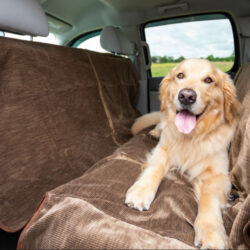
{"type": "Point", "coordinates": [66, 145]}
{"type": "Point", "coordinates": [61, 110]}
{"type": "Point", "coordinates": [89, 212]}
{"type": "Point", "coordinates": [240, 148]}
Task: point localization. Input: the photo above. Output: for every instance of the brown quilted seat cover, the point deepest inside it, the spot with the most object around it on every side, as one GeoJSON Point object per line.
{"type": "Point", "coordinates": [61, 110]}
{"type": "Point", "coordinates": [89, 212]}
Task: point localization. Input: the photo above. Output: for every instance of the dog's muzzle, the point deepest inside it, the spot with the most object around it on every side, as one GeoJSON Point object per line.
{"type": "Point", "coordinates": [187, 97]}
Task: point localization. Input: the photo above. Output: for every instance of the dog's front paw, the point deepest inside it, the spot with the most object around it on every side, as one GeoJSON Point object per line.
{"type": "Point", "coordinates": [155, 133]}
{"type": "Point", "coordinates": [139, 196]}
{"type": "Point", "coordinates": [209, 235]}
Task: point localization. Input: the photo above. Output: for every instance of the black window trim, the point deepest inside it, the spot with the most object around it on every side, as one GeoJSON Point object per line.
{"type": "Point", "coordinates": [79, 37]}
{"type": "Point", "coordinates": [237, 61]}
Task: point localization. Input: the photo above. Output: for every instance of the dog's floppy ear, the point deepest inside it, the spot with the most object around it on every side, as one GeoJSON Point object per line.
{"type": "Point", "coordinates": [163, 87]}
{"type": "Point", "coordinates": [231, 104]}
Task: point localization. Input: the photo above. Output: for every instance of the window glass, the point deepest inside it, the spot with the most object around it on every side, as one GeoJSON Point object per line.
{"type": "Point", "coordinates": [51, 38]}
{"type": "Point", "coordinates": [202, 36]}
{"type": "Point", "coordinates": [90, 41]}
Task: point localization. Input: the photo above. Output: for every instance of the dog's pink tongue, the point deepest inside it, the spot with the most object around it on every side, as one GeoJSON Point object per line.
{"type": "Point", "coordinates": [185, 121]}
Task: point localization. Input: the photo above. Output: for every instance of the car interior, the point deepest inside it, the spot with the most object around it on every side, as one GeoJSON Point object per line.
{"type": "Point", "coordinates": [74, 77]}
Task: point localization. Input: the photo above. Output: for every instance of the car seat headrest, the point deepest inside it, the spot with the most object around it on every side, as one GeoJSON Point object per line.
{"type": "Point", "coordinates": [24, 17]}
{"type": "Point", "coordinates": [114, 40]}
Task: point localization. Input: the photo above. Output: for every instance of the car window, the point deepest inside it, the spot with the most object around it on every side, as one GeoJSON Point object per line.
{"type": "Point", "coordinates": [203, 36]}
{"type": "Point", "coordinates": [90, 41]}
{"type": "Point", "coordinates": [51, 38]}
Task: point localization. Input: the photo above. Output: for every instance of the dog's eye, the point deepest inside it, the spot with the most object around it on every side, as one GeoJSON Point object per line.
{"type": "Point", "coordinates": [208, 80]}
{"type": "Point", "coordinates": [180, 76]}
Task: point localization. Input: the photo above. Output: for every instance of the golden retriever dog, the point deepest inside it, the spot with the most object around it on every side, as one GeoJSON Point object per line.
{"type": "Point", "coordinates": [199, 112]}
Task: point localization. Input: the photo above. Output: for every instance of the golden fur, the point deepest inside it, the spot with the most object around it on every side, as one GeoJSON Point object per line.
{"type": "Point", "coordinates": [201, 154]}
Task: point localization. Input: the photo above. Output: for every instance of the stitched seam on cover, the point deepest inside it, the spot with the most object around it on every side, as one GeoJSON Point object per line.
{"type": "Point", "coordinates": [110, 158]}
{"type": "Point", "coordinates": [111, 125]}
{"type": "Point", "coordinates": [8, 229]}
{"type": "Point", "coordinates": [125, 158]}
{"type": "Point", "coordinates": [32, 219]}
{"type": "Point", "coordinates": [122, 157]}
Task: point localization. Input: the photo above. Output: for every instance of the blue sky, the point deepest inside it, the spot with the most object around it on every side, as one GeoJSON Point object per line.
{"type": "Point", "coordinates": [193, 39]}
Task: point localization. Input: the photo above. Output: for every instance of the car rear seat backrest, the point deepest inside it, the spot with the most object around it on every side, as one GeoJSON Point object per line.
{"type": "Point", "coordinates": [61, 110]}
{"type": "Point", "coordinates": [240, 147]}
{"type": "Point", "coordinates": [242, 81]}
{"type": "Point", "coordinates": [115, 41]}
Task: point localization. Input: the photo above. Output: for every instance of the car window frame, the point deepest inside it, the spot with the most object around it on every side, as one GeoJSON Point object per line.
{"type": "Point", "coordinates": [84, 37]}
{"type": "Point", "coordinates": [237, 60]}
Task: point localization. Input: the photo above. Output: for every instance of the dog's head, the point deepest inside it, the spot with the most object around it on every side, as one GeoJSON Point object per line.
{"type": "Point", "coordinates": [197, 96]}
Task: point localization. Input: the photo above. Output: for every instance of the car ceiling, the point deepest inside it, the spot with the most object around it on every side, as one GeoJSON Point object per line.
{"type": "Point", "coordinates": [69, 19]}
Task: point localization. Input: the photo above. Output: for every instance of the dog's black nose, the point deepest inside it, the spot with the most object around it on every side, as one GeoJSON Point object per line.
{"type": "Point", "coordinates": [187, 96]}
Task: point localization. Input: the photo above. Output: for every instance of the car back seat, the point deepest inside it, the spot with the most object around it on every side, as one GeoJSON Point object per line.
{"type": "Point", "coordinates": [114, 40]}
{"type": "Point", "coordinates": [89, 212]}
{"type": "Point", "coordinates": [61, 110]}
